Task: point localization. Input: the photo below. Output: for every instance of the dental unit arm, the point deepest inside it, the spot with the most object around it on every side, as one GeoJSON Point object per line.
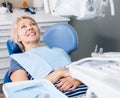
{"type": "Point", "coordinates": [82, 9]}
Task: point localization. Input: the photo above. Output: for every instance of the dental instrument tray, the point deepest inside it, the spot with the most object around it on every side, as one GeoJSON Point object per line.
{"type": "Point", "coordinates": [100, 74]}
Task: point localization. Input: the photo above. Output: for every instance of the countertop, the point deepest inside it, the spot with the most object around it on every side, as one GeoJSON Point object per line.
{"type": "Point", "coordinates": [40, 16]}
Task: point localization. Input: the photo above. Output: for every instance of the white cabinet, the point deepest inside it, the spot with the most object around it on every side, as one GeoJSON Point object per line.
{"type": "Point", "coordinates": [44, 21]}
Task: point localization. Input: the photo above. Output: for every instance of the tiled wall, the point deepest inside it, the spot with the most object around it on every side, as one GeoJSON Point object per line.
{"type": "Point", "coordinates": [18, 3]}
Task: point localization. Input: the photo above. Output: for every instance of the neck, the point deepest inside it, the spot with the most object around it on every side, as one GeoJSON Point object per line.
{"type": "Point", "coordinates": [31, 45]}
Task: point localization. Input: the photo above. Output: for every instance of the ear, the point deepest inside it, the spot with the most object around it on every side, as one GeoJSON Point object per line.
{"type": "Point", "coordinates": [17, 38]}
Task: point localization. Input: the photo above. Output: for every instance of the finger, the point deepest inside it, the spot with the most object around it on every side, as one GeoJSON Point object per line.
{"type": "Point", "coordinates": [75, 85]}
{"type": "Point", "coordinates": [46, 96]}
{"type": "Point", "coordinates": [67, 85]}
{"type": "Point", "coordinates": [63, 86]}
{"type": "Point", "coordinates": [73, 88]}
{"type": "Point", "coordinates": [62, 81]}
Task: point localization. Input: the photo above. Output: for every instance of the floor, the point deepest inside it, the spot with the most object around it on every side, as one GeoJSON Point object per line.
{"type": "Point", "coordinates": [2, 95]}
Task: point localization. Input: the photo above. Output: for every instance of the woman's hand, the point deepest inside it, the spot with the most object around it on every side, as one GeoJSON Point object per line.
{"type": "Point", "coordinates": [68, 83]}
{"type": "Point", "coordinates": [57, 75]}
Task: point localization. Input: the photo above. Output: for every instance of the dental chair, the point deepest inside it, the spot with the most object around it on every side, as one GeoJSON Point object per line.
{"type": "Point", "coordinates": [59, 35]}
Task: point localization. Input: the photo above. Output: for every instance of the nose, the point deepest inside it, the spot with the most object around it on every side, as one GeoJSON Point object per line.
{"type": "Point", "coordinates": [30, 28]}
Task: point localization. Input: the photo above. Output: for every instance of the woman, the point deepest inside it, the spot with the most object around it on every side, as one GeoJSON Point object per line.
{"type": "Point", "coordinates": [26, 34]}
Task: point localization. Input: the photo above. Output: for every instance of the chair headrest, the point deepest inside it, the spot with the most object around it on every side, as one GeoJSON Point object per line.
{"type": "Point", "coordinates": [63, 36]}
{"type": "Point", "coordinates": [13, 47]}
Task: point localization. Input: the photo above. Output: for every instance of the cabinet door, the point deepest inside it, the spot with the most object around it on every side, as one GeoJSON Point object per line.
{"type": "Point", "coordinates": [4, 36]}
{"type": "Point", "coordinates": [4, 57]}
{"type": "Point", "coordinates": [4, 64]}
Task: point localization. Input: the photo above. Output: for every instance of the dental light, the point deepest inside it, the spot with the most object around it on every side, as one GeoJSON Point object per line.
{"type": "Point", "coordinates": [82, 9]}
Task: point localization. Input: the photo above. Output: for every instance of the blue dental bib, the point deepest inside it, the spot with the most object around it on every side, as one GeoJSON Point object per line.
{"type": "Point", "coordinates": [39, 62]}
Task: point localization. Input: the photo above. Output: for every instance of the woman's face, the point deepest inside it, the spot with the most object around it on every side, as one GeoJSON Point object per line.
{"type": "Point", "coordinates": [28, 31]}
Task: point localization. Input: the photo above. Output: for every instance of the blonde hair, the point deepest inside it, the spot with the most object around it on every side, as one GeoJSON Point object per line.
{"type": "Point", "coordinates": [14, 30]}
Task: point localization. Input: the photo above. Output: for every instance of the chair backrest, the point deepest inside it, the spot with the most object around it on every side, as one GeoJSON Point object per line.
{"type": "Point", "coordinates": [62, 36]}
{"type": "Point", "coordinates": [59, 35]}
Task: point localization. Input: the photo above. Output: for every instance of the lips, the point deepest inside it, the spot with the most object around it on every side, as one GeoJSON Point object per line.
{"type": "Point", "coordinates": [31, 34]}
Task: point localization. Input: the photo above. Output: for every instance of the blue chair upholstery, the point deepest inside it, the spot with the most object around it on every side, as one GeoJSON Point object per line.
{"type": "Point", "coordinates": [6, 78]}
{"type": "Point", "coordinates": [59, 35]}
{"type": "Point", "coordinates": [62, 36]}
{"type": "Point", "coordinates": [13, 47]}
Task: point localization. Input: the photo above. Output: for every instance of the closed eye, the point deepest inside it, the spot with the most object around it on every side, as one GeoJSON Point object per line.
{"type": "Point", "coordinates": [33, 23]}
{"type": "Point", "coordinates": [23, 26]}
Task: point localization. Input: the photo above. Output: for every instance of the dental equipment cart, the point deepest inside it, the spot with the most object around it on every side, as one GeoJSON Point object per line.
{"type": "Point", "coordinates": [101, 74]}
